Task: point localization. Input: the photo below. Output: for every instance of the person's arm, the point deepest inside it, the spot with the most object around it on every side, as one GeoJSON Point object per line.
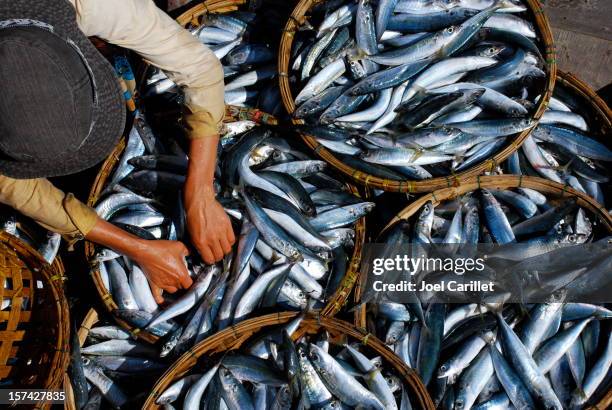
{"type": "Point", "coordinates": [39, 199]}
{"type": "Point", "coordinates": [140, 26]}
{"type": "Point", "coordinates": [209, 226]}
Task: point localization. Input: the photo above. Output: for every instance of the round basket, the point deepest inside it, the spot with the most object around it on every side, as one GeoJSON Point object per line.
{"type": "Point", "coordinates": [492, 182]}
{"type": "Point", "coordinates": [333, 306]}
{"type": "Point", "coordinates": [232, 338]}
{"type": "Point", "coordinates": [34, 348]}
{"type": "Point", "coordinates": [299, 17]}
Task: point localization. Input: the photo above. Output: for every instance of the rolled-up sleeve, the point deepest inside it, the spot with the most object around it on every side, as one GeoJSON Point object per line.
{"type": "Point", "coordinates": [140, 26]}
{"type": "Point", "coordinates": [40, 200]}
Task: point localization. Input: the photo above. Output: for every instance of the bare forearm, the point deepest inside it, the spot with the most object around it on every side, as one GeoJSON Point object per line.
{"type": "Point", "coordinates": [110, 236]}
{"type": "Point", "coordinates": [209, 226]}
{"type": "Point", "coordinates": [202, 163]}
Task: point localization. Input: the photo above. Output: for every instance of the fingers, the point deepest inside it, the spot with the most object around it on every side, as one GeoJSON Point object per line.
{"type": "Point", "coordinates": [185, 250]}
{"type": "Point", "coordinates": [229, 233]}
{"type": "Point", "coordinates": [217, 250]}
{"type": "Point", "coordinates": [183, 275]}
{"type": "Point", "coordinates": [170, 289]}
{"type": "Point", "coordinates": [206, 254]}
{"type": "Point", "coordinates": [225, 245]}
{"type": "Point", "coordinates": [185, 280]}
{"type": "Point", "coordinates": [157, 293]}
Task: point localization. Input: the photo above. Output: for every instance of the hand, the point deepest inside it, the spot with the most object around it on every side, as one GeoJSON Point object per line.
{"type": "Point", "coordinates": [209, 226]}
{"type": "Point", "coordinates": [163, 263]}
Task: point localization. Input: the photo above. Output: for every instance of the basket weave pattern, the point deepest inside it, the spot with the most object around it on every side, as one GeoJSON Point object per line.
{"type": "Point", "coordinates": [34, 323]}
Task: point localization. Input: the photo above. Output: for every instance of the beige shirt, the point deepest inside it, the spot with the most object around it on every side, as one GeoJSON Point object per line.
{"type": "Point", "coordinates": [140, 26]}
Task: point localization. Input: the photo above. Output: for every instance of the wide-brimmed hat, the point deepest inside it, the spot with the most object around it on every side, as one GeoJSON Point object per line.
{"type": "Point", "coordinates": [61, 107]}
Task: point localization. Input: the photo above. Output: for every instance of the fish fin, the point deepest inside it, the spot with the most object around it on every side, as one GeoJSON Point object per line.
{"type": "Point", "coordinates": [417, 154]}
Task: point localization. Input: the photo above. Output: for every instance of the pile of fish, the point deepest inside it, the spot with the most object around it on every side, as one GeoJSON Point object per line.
{"type": "Point", "coordinates": [294, 223]}
{"type": "Point", "coordinates": [272, 371]}
{"type": "Point", "coordinates": [415, 89]}
{"type": "Point", "coordinates": [489, 355]}
{"type": "Point", "coordinates": [500, 216]}
{"type": "Point", "coordinates": [472, 356]}
{"type": "Point", "coordinates": [564, 149]}
{"type": "Point", "coordinates": [47, 243]}
{"type": "Point", "coordinates": [249, 65]}
{"type": "Point", "coordinates": [112, 370]}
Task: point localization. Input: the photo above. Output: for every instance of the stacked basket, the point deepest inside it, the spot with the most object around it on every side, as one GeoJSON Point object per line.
{"type": "Point", "coordinates": [34, 349]}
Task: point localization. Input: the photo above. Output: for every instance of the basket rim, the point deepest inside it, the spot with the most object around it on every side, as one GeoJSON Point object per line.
{"type": "Point", "coordinates": [253, 326]}
{"type": "Point", "coordinates": [298, 17]}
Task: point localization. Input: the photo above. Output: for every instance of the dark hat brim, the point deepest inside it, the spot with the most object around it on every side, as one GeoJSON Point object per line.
{"type": "Point", "coordinates": [109, 112]}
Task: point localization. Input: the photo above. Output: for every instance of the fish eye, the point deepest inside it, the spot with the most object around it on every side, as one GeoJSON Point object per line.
{"type": "Point", "coordinates": [450, 30]}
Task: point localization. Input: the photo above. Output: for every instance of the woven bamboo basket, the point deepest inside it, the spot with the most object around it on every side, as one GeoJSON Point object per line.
{"type": "Point", "coordinates": [492, 182]}
{"type": "Point", "coordinates": [299, 17]}
{"type": "Point", "coordinates": [340, 331]}
{"type": "Point", "coordinates": [332, 307]}
{"type": "Point", "coordinates": [34, 349]}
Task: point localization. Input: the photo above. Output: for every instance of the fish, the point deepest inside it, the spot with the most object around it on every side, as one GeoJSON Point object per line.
{"type": "Point", "coordinates": [565, 147]}
{"type": "Point", "coordinates": [50, 247]}
{"type": "Point", "coordinates": [313, 366]}
{"type": "Point", "coordinates": [429, 65]}
{"type": "Point", "coordinates": [494, 355]}
{"type": "Point", "coordinates": [285, 258]}
{"type": "Point", "coordinates": [110, 390]}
